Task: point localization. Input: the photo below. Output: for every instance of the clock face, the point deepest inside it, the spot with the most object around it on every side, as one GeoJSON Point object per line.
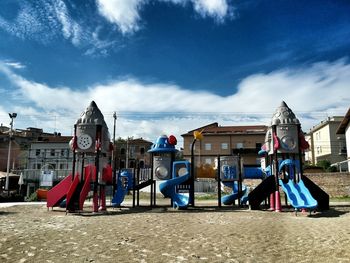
{"type": "Point", "coordinates": [161, 172]}
{"type": "Point", "coordinates": [288, 143]}
{"type": "Point", "coordinates": [84, 141]}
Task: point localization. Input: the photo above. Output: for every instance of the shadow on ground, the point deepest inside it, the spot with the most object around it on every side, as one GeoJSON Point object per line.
{"type": "Point", "coordinates": [5, 213]}
{"type": "Point", "coordinates": [334, 211]}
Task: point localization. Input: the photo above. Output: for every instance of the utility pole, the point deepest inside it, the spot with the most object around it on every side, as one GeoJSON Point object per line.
{"type": "Point", "coordinates": [114, 154]}
{"type": "Point", "coordinates": [127, 153]}
{"type": "Point", "coordinates": [12, 116]}
{"type": "Point", "coordinates": [114, 144]}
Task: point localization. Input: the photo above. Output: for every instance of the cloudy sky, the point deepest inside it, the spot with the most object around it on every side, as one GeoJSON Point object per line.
{"type": "Point", "coordinates": [169, 66]}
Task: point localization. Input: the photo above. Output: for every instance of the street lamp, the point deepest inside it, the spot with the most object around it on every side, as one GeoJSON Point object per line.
{"type": "Point", "coordinates": [12, 116]}
{"type": "Point", "coordinates": [114, 156]}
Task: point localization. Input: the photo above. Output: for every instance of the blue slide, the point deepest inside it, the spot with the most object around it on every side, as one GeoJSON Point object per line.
{"type": "Point", "coordinates": [124, 184]}
{"type": "Point", "coordinates": [298, 195]}
{"type": "Point", "coordinates": [229, 199]}
{"type": "Point", "coordinates": [168, 188]}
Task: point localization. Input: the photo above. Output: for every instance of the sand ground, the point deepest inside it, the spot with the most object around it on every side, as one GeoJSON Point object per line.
{"type": "Point", "coordinates": [203, 234]}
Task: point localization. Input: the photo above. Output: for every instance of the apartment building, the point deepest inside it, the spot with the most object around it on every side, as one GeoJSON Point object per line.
{"type": "Point", "coordinates": [49, 155]}
{"type": "Point", "coordinates": [344, 129]}
{"type": "Point", "coordinates": [4, 153]}
{"type": "Point", "coordinates": [21, 142]}
{"type": "Point", "coordinates": [325, 143]}
{"type": "Point", "coordinates": [225, 140]}
{"type": "Point", "coordinates": [131, 153]}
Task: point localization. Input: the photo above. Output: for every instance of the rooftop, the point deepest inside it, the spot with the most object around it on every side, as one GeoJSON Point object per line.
{"type": "Point", "coordinates": [214, 128]}
{"type": "Point", "coordinates": [54, 139]}
{"type": "Point", "coordinates": [325, 122]}
{"type": "Point", "coordinates": [344, 123]}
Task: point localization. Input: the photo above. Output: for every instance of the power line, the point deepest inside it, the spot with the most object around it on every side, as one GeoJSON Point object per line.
{"type": "Point", "coordinates": [177, 113]}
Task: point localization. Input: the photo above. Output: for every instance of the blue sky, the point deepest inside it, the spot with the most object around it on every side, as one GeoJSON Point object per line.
{"type": "Point", "coordinates": [169, 66]}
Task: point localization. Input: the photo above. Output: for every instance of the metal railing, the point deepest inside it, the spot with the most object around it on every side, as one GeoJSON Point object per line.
{"type": "Point", "coordinates": [33, 175]}
{"type": "Point", "coordinates": [340, 166]}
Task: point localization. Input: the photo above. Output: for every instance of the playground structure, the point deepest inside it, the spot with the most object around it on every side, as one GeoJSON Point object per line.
{"type": "Point", "coordinates": [91, 169]}
{"type": "Point", "coordinates": [91, 149]}
{"type": "Point", "coordinates": [283, 150]}
{"type": "Point", "coordinates": [230, 174]}
{"type": "Point", "coordinates": [281, 169]}
{"type": "Point", "coordinates": [177, 178]}
{"type": "Point", "coordinates": [282, 155]}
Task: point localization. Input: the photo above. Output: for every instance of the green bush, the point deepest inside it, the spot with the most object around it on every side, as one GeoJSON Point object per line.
{"type": "Point", "coordinates": [324, 164]}
{"type": "Point", "coordinates": [311, 166]}
{"type": "Point", "coordinates": [331, 169]}
{"type": "Point", "coordinates": [33, 197]}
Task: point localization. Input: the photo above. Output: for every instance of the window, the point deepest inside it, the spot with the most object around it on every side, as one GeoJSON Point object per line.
{"type": "Point", "coordinates": [224, 146]}
{"type": "Point", "coordinates": [208, 161]}
{"type": "Point", "coordinates": [142, 150]}
{"type": "Point", "coordinates": [239, 145]}
{"type": "Point", "coordinates": [37, 152]}
{"type": "Point", "coordinates": [207, 146]}
{"type": "Point", "coordinates": [62, 166]}
{"type": "Point", "coordinates": [319, 149]}
{"type": "Point", "coordinates": [318, 136]}
{"type": "Point", "coordinates": [122, 151]}
{"type": "Point", "coordinates": [52, 152]}
{"type": "Point", "coordinates": [122, 164]}
{"type": "Point", "coordinates": [132, 151]}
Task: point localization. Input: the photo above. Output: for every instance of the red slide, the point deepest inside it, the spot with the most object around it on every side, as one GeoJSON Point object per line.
{"type": "Point", "coordinates": [89, 172]}
{"type": "Point", "coordinates": [56, 194]}
{"type": "Point", "coordinates": [72, 189]}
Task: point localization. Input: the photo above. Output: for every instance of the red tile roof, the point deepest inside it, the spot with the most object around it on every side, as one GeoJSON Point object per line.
{"type": "Point", "coordinates": [214, 128]}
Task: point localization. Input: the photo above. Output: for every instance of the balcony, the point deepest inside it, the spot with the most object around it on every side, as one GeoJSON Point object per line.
{"type": "Point", "coordinates": [343, 152]}
{"type": "Point", "coordinates": [245, 151]}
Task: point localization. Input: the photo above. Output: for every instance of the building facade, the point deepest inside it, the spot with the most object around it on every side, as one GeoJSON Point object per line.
{"type": "Point", "coordinates": [49, 155]}
{"type": "Point", "coordinates": [132, 153]}
{"type": "Point", "coordinates": [21, 143]}
{"type": "Point", "coordinates": [344, 129]}
{"type": "Point", "coordinates": [325, 143]}
{"type": "Point", "coordinates": [15, 154]}
{"type": "Point", "coordinates": [225, 140]}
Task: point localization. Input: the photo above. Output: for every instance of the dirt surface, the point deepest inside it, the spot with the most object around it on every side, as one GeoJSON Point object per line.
{"type": "Point", "coordinates": [203, 234]}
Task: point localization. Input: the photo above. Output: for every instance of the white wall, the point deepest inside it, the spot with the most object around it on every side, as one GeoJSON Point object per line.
{"type": "Point", "coordinates": [347, 137]}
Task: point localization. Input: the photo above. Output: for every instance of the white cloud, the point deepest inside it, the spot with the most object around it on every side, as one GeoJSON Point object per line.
{"type": "Point", "coordinates": [14, 64]}
{"type": "Point", "coordinates": [148, 110]}
{"type": "Point", "coordinates": [125, 14]}
{"type": "Point", "coordinates": [42, 21]}
{"type": "Point", "coordinates": [70, 28]}
{"type": "Point", "coordinates": [217, 9]}
{"type": "Point", "coordinates": [45, 21]}
{"type": "Point", "coordinates": [27, 23]}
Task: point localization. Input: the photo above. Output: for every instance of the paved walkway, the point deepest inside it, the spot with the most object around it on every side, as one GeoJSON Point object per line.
{"type": "Point", "coordinates": [162, 202]}
{"type": "Point", "coordinates": [21, 203]}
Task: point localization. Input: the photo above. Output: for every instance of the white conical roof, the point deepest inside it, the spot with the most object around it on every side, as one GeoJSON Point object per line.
{"type": "Point", "coordinates": [93, 115]}
{"type": "Point", "coordinates": [284, 115]}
